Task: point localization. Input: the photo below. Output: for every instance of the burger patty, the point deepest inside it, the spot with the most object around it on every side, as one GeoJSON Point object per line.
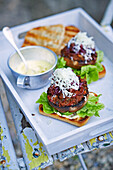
{"type": "Point", "coordinates": [77, 60]}
{"type": "Point", "coordinates": [78, 98]}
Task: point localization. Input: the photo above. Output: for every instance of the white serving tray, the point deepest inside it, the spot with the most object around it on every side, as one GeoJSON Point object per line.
{"type": "Point", "coordinates": [57, 135]}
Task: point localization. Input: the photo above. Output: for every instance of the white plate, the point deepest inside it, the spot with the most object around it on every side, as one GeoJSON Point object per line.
{"type": "Point", "coordinates": [57, 135]}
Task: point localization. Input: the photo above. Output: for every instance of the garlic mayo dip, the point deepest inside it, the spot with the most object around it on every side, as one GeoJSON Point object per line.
{"type": "Point", "coordinates": [34, 67]}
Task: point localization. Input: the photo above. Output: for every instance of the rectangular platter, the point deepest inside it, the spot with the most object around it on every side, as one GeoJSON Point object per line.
{"type": "Point", "coordinates": [56, 135]}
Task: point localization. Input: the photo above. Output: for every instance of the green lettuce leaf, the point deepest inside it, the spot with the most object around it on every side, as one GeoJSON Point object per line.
{"type": "Point", "coordinates": [43, 100]}
{"type": "Point", "coordinates": [100, 55]}
{"type": "Point", "coordinates": [99, 67]}
{"type": "Point", "coordinates": [90, 72]}
{"type": "Point", "coordinates": [91, 108]}
{"type": "Point", "coordinates": [78, 72]}
{"type": "Point", "coordinates": [61, 63]}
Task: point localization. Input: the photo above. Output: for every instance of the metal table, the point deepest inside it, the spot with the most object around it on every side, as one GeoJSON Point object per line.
{"type": "Point", "coordinates": [34, 155]}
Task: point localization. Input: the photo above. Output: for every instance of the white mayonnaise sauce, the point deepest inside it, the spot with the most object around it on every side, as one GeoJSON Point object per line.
{"type": "Point", "coordinates": [34, 67]}
{"type": "Point", "coordinates": [68, 116]}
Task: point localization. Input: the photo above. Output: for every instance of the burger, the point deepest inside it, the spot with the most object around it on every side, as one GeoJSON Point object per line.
{"type": "Point", "coordinates": [68, 98]}
{"type": "Point", "coordinates": [80, 54]}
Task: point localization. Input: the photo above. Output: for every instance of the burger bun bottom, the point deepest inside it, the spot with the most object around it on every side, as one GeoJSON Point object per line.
{"type": "Point", "coordinates": [79, 121]}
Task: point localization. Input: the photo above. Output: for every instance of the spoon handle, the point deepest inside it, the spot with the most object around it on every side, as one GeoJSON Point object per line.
{"type": "Point", "coordinates": [9, 36]}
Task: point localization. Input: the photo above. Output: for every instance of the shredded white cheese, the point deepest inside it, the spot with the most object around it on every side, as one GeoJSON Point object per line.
{"type": "Point", "coordinates": [65, 78]}
{"type": "Point", "coordinates": [87, 42]}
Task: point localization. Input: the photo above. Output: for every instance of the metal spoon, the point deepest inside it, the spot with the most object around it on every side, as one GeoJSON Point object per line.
{"type": "Point", "coordinates": [8, 34]}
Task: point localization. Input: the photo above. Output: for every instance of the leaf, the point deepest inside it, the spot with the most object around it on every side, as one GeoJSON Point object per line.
{"type": "Point", "coordinates": [90, 72]}
{"type": "Point", "coordinates": [76, 71]}
{"type": "Point", "coordinates": [100, 55]}
{"type": "Point", "coordinates": [67, 113]}
{"type": "Point", "coordinates": [93, 99]}
{"type": "Point", "coordinates": [99, 67]}
{"type": "Point", "coordinates": [61, 63]}
{"type": "Point", "coordinates": [47, 108]}
{"type": "Point", "coordinates": [42, 99]}
{"type": "Point", "coordinates": [92, 107]}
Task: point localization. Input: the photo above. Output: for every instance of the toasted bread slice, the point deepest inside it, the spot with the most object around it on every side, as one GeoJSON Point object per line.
{"type": "Point", "coordinates": [78, 121]}
{"type": "Point", "coordinates": [47, 36]}
{"type": "Point", "coordinates": [54, 37]}
{"type": "Point", "coordinates": [70, 31]}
